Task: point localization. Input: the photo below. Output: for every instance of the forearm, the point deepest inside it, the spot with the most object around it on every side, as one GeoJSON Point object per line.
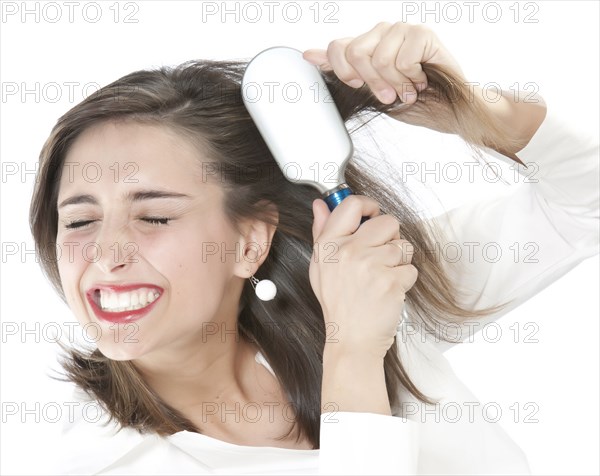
{"type": "Point", "coordinates": [518, 114]}
{"type": "Point", "coordinates": [353, 383]}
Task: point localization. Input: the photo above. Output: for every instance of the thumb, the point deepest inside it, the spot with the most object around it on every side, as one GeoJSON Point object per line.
{"type": "Point", "coordinates": [318, 58]}
{"type": "Point", "coordinates": [321, 214]}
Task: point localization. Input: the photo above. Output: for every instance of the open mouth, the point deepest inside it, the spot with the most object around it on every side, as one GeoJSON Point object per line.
{"type": "Point", "coordinates": [111, 301]}
{"type": "Point", "coordinates": [123, 303]}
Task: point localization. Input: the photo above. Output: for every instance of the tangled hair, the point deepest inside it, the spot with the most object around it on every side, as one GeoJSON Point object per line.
{"type": "Point", "coordinates": [202, 100]}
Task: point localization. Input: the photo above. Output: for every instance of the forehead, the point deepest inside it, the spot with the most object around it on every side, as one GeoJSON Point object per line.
{"type": "Point", "coordinates": [121, 154]}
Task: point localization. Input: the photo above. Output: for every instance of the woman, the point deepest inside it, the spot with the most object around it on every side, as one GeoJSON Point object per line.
{"type": "Point", "coordinates": [193, 372]}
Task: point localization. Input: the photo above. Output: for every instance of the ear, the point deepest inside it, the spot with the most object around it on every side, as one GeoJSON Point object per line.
{"type": "Point", "coordinates": [255, 241]}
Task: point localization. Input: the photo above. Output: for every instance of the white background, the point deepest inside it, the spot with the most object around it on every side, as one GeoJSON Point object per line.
{"type": "Point", "coordinates": [559, 54]}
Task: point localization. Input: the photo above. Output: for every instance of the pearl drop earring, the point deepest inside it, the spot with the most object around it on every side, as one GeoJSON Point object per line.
{"type": "Point", "coordinates": [265, 289]}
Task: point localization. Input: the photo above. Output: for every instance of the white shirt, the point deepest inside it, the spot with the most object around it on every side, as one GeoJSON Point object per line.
{"type": "Point", "coordinates": [559, 212]}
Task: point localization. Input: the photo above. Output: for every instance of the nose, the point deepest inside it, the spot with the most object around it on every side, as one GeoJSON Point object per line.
{"type": "Point", "coordinates": [116, 251]}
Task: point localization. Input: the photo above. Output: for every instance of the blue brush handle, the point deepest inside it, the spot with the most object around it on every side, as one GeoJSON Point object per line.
{"type": "Point", "coordinates": [335, 198]}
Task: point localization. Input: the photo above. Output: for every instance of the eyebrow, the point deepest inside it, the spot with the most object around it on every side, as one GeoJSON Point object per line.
{"type": "Point", "coordinates": [131, 197]}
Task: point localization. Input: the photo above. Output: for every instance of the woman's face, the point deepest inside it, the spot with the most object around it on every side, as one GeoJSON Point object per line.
{"type": "Point", "coordinates": [147, 259]}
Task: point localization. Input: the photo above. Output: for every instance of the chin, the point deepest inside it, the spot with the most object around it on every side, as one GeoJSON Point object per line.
{"type": "Point", "coordinates": [121, 351]}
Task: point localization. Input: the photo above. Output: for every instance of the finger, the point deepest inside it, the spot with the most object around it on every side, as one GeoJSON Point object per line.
{"type": "Point", "coordinates": [336, 51]}
{"type": "Point", "coordinates": [378, 231]}
{"type": "Point", "coordinates": [405, 275]}
{"type": "Point", "coordinates": [398, 58]}
{"type": "Point", "coordinates": [392, 254]}
{"type": "Point", "coordinates": [359, 55]}
{"type": "Point", "coordinates": [397, 253]}
{"type": "Point", "coordinates": [318, 58]}
{"type": "Point", "coordinates": [411, 55]}
{"type": "Point", "coordinates": [345, 218]}
{"type": "Point", "coordinates": [321, 214]}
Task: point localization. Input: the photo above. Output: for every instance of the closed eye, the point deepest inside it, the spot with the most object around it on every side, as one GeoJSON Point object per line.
{"type": "Point", "coordinates": [157, 220]}
{"type": "Point", "coordinates": [78, 224]}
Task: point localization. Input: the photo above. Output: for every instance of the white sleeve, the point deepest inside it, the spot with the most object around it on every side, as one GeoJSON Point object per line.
{"type": "Point", "coordinates": [551, 220]}
{"type": "Point", "coordinates": [535, 234]}
{"type": "Point", "coordinates": [367, 443]}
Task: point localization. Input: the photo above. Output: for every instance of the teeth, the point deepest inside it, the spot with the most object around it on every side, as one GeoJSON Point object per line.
{"type": "Point", "coordinates": [112, 301]}
{"type": "Point", "coordinates": [124, 300]}
{"type": "Point", "coordinates": [128, 301]}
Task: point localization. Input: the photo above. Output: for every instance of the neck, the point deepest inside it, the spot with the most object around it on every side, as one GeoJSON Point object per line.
{"type": "Point", "coordinates": [207, 369]}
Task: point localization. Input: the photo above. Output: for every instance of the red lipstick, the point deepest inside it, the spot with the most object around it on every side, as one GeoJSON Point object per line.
{"type": "Point", "coordinates": [93, 297]}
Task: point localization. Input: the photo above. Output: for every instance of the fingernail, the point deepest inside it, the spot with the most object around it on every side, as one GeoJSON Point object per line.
{"type": "Point", "coordinates": [409, 96]}
{"type": "Point", "coordinates": [356, 83]}
{"type": "Point", "coordinates": [387, 95]}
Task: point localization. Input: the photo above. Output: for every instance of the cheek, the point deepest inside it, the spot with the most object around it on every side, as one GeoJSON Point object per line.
{"type": "Point", "coordinates": [192, 256]}
{"type": "Point", "coordinates": [70, 261]}
{"type": "Point", "coordinates": [196, 265]}
{"type": "Point", "coordinates": [71, 265]}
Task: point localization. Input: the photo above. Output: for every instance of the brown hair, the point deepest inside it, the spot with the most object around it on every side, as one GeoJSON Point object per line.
{"type": "Point", "coordinates": [202, 100]}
